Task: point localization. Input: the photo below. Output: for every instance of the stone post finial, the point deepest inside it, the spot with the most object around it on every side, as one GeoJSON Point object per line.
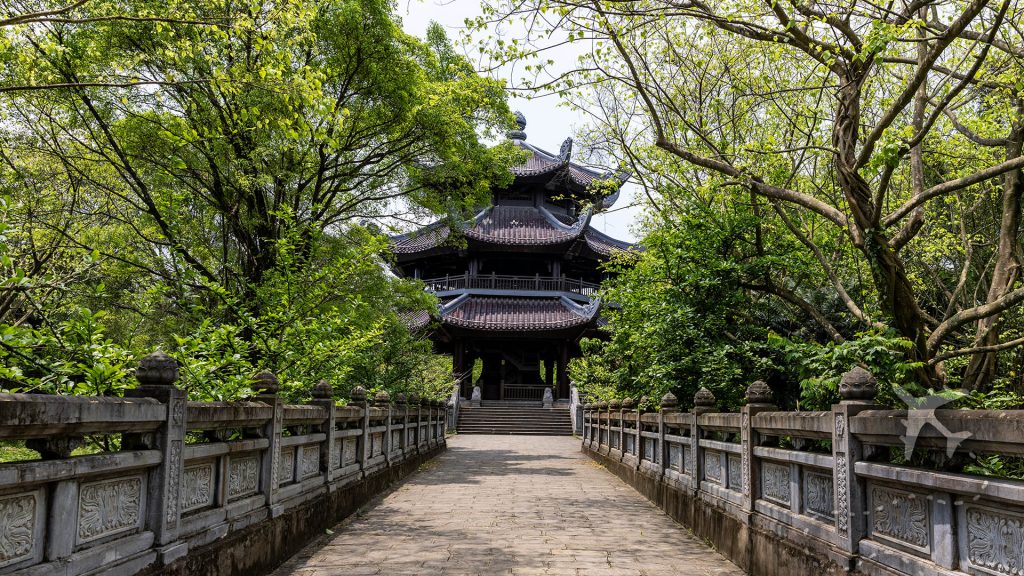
{"type": "Point", "coordinates": [602, 405]}
{"type": "Point", "coordinates": [628, 403]}
{"type": "Point", "coordinates": [644, 404]}
{"type": "Point", "coordinates": [382, 399]}
{"type": "Point", "coordinates": [157, 369]}
{"type": "Point", "coordinates": [669, 401]}
{"type": "Point", "coordinates": [858, 385]}
{"type": "Point", "coordinates": [400, 399]}
{"type": "Point", "coordinates": [266, 383]}
{"type": "Point", "coordinates": [615, 404]}
{"type": "Point", "coordinates": [358, 395]}
{"type": "Point", "coordinates": [322, 390]}
{"type": "Point", "coordinates": [521, 124]}
{"type": "Point", "coordinates": [759, 393]}
{"type": "Point", "coordinates": [414, 399]}
{"type": "Point", "coordinates": [704, 398]}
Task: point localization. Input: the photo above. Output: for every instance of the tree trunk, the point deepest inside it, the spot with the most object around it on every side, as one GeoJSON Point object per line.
{"type": "Point", "coordinates": [982, 367]}
{"type": "Point", "coordinates": [896, 294]}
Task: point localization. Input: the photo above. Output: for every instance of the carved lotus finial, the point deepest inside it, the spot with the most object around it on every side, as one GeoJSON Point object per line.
{"type": "Point", "coordinates": [400, 399]}
{"type": "Point", "coordinates": [519, 134]}
{"type": "Point", "coordinates": [759, 393]}
{"type": "Point", "coordinates": [602, 405]}
{"type": "Point", "coordinates": [358, 394]}
{"type": "Point", "coordinates": [266, 383]}
{"type": "Point", "coordinates": [414, 399]}
{"type": "Point", "coordinates": [669, 401]}
{"type": "Point", "coordinates": [157, 369]}
{"type": "Point", "coordinates": [323, 390]}
{"type": "Point", "coordinates": [615, 404]}
{"type": "Point", "coordinates": [628, 403]}
{"type": "Point", "coordinates": [704, 398]}
{"type": "Point", "coordinates": [382, 398]}
{"type": "Point", "coordinates": [858, 384]}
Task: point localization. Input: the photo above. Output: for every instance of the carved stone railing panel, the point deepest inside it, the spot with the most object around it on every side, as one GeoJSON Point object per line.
{"type": "Point", "coordinates": [993, 539]}
{"type": "Point", "coordinates": [818, 495]}
{"type": "Point", "coordinates": [22, 527]}
{"type": "Point", "coordinates": [309, 461]}
{"type": "Point", "coordinates": [735, 473]}
{"type": "Point", "coordinates": [899, 517]}
{"type": "Point", "coordinates": [197, 486]}
{"type": "Point", "coordinates": [109, 507]}
{"type": "Point", "coordinates": [243, 476]}
{"type": "Point", "coordinates": [713, 466]}
{"type": "Point", "coordinates": [286, 467]}
{"type": "Point", "coordinates": [775, 483]}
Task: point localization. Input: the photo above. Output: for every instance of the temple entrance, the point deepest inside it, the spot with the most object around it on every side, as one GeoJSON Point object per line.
{"type": "Point", "coordinates": [512, 371]}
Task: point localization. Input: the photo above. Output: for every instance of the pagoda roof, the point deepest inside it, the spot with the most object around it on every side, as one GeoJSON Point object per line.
{"type": "Point", "coordinates": [426, 238]}
{"type": "Point", "coordinates": [524, 225]}
{"type": "Point", "coordinates": [560, 169]}
{"type": "Point", "coordinates": [604, 244]}
{"type": "Point", "coordinates": [506, 313]}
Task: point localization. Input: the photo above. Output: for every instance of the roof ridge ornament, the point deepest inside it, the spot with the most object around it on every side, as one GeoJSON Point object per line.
{"type": "Point", "coordinates": [521, 123]}
{"type": "Point", "coordinates": [565, 152]}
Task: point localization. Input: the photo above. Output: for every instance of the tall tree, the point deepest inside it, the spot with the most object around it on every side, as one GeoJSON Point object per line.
{"type": "Point", "coordinates": [872, 127]}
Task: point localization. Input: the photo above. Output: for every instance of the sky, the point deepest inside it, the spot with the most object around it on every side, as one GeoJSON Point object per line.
{"type": "Point", "coordinates": [547, 124]}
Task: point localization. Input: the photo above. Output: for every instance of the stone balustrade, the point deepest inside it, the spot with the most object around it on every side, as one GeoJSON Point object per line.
{"type": "Point", "coordinates": [195, 487]}
{"type": "Point", "coordinates": [816, 492]}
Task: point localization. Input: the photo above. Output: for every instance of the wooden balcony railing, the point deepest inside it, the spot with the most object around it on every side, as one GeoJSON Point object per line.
{"type": "Point", "coordinates": [504, 282]}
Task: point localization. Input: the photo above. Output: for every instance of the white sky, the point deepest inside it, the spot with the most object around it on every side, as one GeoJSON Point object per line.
{"type": "Point", "coordinates": [547, 123]}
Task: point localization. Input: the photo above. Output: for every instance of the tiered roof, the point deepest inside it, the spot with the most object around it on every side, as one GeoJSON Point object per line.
{"type": "Point", "coordinates": [517, 313]}
{"type": "Point", "coordinates": [549, 225]}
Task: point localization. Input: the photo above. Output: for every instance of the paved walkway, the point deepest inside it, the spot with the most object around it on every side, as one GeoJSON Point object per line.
{"type": "Point", "coordinates": [496, 505]}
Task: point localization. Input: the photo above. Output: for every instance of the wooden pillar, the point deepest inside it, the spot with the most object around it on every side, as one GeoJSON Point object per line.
{"type": "Point", "coordinates": [459, 364]}
{"type": "Point", "coordinates": [563, 373]}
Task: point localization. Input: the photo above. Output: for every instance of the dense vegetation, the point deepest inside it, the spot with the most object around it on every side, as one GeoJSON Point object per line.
{"type": "Point", "coordinates": [829, 183]}
{"type": "Point", "coordinates": [209, 178]}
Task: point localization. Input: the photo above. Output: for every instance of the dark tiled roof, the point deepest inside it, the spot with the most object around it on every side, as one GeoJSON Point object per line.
{"type": "Point", "coordinates": [430, 236]}
{"type": "Point", "coordinates": [510, 313]}
{"type": "Point", "coordinates": [603, 243]}
{"type": "Point", "coordinates": [415, 320]}
{"type": "Point", "coordinates": [542, 162]}
{"type": "Point", "coordinates": [521, 225]}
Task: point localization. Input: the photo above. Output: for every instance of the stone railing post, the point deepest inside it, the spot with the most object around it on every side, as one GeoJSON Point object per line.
{"type": "Point", "coordinates": [382, 400]}
{"type": "Point", "coordinates": [267, 387]}
{"type": "Point", "coordinates": [759, 399]}
{"type": "Point", "coordinates": [415, 400]}
{"type": "Point", "coordinates": [669, 405]}
{"type": "Point", "coordinates": [323, 396]}
{"type": "Point", "coordinates": [857, 389]}
{"type": "Point", "coordinates": [703, 402]}
{"type": "Point", "coordinates": [357, 397]}
{"type": "Point", "coordinates": [615, 407]}
{"type": "Point", "coordinates": [602, 408]}
{"type": "Point", "coordinates": [157, 374]}
{"type": "Point", "coordinates": [402, 405]}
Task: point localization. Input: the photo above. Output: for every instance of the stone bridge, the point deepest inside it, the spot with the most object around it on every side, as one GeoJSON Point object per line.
{"type": "Point", "coordinates": [239, 488]}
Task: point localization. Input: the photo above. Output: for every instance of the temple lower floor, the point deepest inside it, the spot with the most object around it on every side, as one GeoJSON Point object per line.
{"type": "Point", "coordinates": [514, 369]}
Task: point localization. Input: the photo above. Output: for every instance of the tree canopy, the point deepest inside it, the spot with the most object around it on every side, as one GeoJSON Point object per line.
{"type": "Point", "coordinates": [853, 167]}
{"type": "Point", "coordinates": [203, 176]}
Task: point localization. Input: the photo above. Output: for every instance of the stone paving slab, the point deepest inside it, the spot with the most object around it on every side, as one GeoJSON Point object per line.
{"type": "Point", "coordinates": [516, 505]}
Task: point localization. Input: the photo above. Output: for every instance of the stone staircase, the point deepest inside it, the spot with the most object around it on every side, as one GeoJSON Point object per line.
{"type": "Point", "coordinates": [520, 419]}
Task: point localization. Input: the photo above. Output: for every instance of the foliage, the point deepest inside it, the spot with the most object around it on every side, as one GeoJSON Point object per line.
{"type": "Point", "coordinates": [819, 367]}
{"type": "Point", "coordinates": [207, 178]}
{"type": "Point", "coordinates": [876, 151]}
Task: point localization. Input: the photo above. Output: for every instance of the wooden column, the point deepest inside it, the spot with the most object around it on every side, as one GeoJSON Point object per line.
{"type": "Point", "coordinates": [459, 364]}
{"type": "Point", "coordinates": [563, 373]}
